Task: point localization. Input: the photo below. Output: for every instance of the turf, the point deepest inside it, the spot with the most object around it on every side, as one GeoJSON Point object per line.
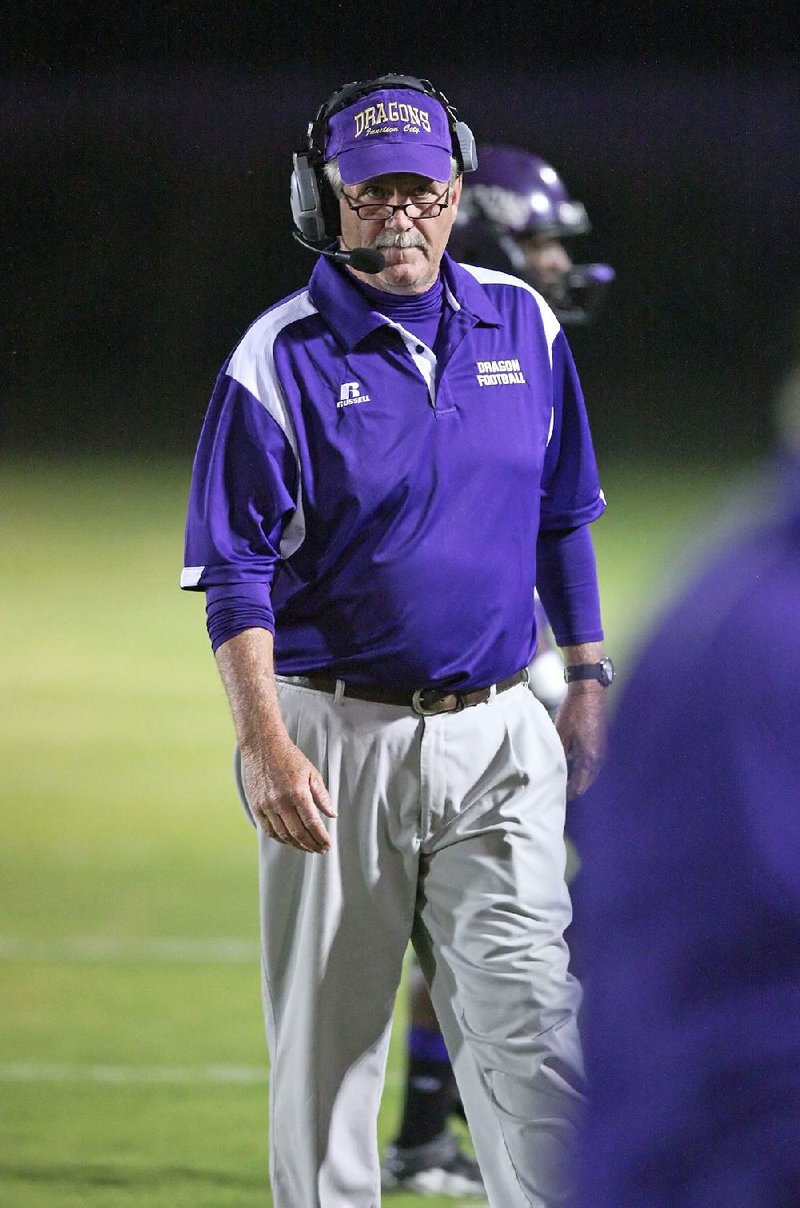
{"type": "Point", "coordinates": [134, 1072]}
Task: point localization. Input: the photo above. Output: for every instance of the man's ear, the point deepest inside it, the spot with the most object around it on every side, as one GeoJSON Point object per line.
{"type": "Point", "coordinates": [455, 194]}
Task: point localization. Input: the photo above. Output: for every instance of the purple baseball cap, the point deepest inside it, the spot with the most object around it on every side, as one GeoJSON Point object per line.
{"type": "Point", "coordinates": [394, 130]}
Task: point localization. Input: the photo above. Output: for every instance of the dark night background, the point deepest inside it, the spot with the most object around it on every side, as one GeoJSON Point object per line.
{"type": "Point", "coordinates": [146, 154]}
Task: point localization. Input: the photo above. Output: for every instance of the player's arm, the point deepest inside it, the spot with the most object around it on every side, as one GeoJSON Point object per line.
{"type": "Point", "coordinates": [285, 792]}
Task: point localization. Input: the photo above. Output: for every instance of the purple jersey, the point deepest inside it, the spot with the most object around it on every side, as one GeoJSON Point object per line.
{"type": "Point", "coordinates": [384, 496]}
{"type": "Point", "coordinates": [689, 895]}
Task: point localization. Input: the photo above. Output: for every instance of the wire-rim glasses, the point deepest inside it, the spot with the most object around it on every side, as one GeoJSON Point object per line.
{"type": "Point", "coordinates": [381, 211]}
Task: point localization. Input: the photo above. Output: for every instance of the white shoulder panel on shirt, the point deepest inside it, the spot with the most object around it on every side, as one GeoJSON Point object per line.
{"type": "Point", "coordinates": [253, 366]}
{"type": "Point", "coordinates": [253, 361]}
{"type": "Point", "coordinates": [491, 276]}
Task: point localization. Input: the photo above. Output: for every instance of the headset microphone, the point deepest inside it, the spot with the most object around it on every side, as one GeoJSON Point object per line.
{"type": "Point", "coordinates": [362, 259]}
{"type": "Point", "coordinates": [365, 259]}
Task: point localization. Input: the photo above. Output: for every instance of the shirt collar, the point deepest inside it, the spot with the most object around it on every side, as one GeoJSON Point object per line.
{"type": "Point", "coordinates": [352, 318]}
{"type": "Point", "coordinates": [461, 288]}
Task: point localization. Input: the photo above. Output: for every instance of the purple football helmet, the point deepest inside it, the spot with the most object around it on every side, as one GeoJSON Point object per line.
{"type": "Point", "coordinates": [510, 198]}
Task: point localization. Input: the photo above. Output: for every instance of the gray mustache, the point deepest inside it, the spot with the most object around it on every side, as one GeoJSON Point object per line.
{"type": "Point", "coordinates": [399, 239]}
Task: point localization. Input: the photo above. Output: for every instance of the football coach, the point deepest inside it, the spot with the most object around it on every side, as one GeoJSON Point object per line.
{"type": "Point", "coordinates": [394, 457]}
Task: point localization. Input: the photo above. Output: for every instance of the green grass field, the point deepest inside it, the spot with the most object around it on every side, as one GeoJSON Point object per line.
{"type": "Point", "coordinates": [132, 1061]}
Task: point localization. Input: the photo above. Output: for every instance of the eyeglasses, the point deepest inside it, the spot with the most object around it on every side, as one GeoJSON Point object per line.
{"type": "Point", "coordinates": [380, 211]}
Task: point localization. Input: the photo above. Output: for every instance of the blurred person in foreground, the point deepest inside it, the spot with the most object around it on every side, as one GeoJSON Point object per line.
{"type": "Point", "coordinates": [690, 884]}
{"type": "Point", "coordinates": [516, 216]}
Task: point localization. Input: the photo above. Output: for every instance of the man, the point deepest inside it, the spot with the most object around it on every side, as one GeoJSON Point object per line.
{"type": "Point", "coordinates": [385, 455]}
{"type": "Point", "coordinates": [691, 884]}
{"type": "Point", "coordinates": [515, 215]}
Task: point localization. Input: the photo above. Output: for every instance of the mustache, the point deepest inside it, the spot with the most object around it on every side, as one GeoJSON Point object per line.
{"type": "Point", "coordinates": [399, 239]}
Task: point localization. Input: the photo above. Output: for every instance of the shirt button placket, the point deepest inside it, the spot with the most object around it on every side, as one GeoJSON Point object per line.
{"type": "Point", "coordinates": [426, 363]}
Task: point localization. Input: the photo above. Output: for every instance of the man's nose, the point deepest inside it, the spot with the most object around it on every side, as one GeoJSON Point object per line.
{"type": "Point", "coordinates": [400, 221]}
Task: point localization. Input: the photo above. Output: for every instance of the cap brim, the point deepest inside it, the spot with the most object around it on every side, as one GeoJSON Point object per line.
{"type": "Point", "coordinates": [361, 163]}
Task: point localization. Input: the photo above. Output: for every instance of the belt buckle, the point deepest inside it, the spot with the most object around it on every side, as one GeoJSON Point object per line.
{"type": "Point", "coordinates": [419, 708]}
{"type": "Point", "coordinates": [423, 710]}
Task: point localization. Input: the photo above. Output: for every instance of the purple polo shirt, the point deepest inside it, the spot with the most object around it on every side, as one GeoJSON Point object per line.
{"type": "Point", "coordinates": [383, 499]}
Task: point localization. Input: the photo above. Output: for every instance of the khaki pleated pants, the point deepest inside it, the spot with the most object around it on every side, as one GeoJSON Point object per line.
{"type": "Point", "coordinates": [450, 834]}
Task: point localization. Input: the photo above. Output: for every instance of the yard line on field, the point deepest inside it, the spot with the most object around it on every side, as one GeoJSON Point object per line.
{"type": "Point", "coordinates": [125, 1075]}
{"type": "Point", "coordinates": [189, 950]}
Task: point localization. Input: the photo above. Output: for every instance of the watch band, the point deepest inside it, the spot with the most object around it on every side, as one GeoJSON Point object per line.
{"type": "Point", "coordinates": [603, 672]}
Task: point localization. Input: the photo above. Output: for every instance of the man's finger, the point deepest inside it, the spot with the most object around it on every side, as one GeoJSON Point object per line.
{"type": "Point", "coordinates": [279, 831]}
{"type": "Point", "coordinates": [583, 773]}
{"type": "Point", "coordinates": [309, 839]}
{"type": "Point", "coordinates": [263, 822]}
{"type": "Point", "coordinates": [322, 798]}
{"type": "Point", "coordinates": [314, 828]}
{"type": "Point", "coordinates": [298, 815]}
{"type": "Point", "coordinates": [574, 789]}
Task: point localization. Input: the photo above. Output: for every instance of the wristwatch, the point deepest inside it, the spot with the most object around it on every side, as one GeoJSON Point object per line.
{"type": "Point", "coordinates": [603, 672]}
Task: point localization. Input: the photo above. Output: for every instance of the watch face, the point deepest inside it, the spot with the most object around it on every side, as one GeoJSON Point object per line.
{"type": "Point", "coordinates": [608, 669]}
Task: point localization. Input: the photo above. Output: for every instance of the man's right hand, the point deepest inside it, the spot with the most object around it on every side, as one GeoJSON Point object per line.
{"type": "Point", "coordinates": [287, 795]}
{"type": "Point", "coordinates": [285, 792]}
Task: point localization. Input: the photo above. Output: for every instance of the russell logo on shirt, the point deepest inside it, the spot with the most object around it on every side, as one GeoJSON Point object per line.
{"type": "Point", "coordinates": [350, 393]}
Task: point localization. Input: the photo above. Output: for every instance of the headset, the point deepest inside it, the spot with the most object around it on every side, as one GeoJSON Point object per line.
{"type": "Point", "coordinates": [315, 208]}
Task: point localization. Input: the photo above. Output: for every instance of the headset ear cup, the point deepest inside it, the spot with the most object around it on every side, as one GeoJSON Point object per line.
{"type": "Point", "coordinates": [304, 198]}
{"type": "Point", "coordinates": [467, 148]}
{"type": "Point", "coordinates": [315, 210]}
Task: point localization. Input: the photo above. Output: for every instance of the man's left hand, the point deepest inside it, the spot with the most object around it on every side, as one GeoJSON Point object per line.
{"type": "Point", "coordinates": [581, 724]}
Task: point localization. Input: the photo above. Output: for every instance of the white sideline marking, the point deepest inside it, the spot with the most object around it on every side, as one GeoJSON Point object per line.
{"type": "Point", "coordinates": [124, 1075]}
{"type": "Point", "coordinates": [100, 948]}
{"type": "Point", "coordinates": [127, 1075]}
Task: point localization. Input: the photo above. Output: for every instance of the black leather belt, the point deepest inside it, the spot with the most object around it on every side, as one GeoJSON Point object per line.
{"type": "Point", "coordinates": [425, 701]}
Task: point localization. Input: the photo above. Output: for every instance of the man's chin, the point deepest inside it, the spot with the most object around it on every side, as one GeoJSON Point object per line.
{"type": "Point", "coordinates": [404, 268]}
{"type": "Point", "coordinates": [406, 278]}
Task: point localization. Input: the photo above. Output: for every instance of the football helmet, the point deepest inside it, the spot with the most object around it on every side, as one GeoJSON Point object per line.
{"type": "Point", "coordinates": [510, 206]}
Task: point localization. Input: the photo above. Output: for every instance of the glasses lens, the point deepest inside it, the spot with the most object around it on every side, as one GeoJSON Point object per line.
{"type": "Point", "coordinates": [379, 212]}
{"type": "Point", "coordinates": [425, 209]}
{"type": "Point", "coordinates": [374, 212]}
